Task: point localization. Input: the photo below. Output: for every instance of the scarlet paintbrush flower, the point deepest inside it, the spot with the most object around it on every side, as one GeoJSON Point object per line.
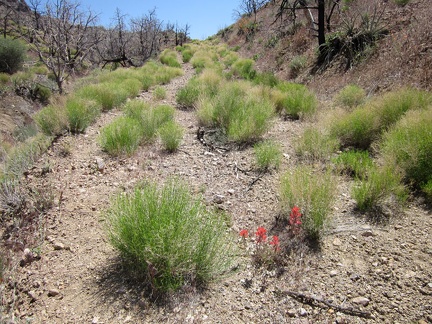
{"type": "Point", "coordinates": [261, 234]}
{"type": "Point", "coordinates": [275, 243]}
{"type": "Point", "coordinates": [244, 233]}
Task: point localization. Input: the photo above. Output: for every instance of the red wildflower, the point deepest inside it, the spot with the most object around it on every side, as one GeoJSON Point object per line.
{"type": "Point", "coordinates": [275, 243]}
{"type": "Point", "coordinates": [261, 234]}
{"type": "Point", "coordinates": [295, 216]}
{"type": "Point", "coordinates": [244, 233]}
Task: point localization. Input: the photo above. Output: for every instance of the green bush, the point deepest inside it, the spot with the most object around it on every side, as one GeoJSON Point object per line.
{"type": "Point", "coordinates": [380, 184]}
{"type": "Point", "coordinates": [355, 163]}
{"type": "Point", "coordinates": [408, 146]}
{"type": "Point", "coordinates": [121, 137]}
{"type": "Point", "coordinates": [52, 120]}
{"type": "Point", "coordinates": [243, 116]}
{"type": "Point", "coordinates": [24, 155]}
{"type": "Point", "coordinates": [298, 101]}
{"type": "Point", "coordinates": [163, 114]}
{"type": "Point", "coordinates": [171, 135]}
{"type": "Point", "coordinates": [187, 55]}
{"type": "Point", "coordinates": [159, 93]}
{"type": "Point", "coordinates": [108, 95]}
{"type": "Point", "coordinates": [244, 68]}
{"type": "Point", "coordinates": [12, 55]}
{"type": "Point", "coordinates": [267, 79]}
{"type": "Point", "coordinates": [315, 145]}
{"type": "Point", "coordinates": [169, 57]}
{"type": "Point", "coordinates": [357, 129]}
{"type": "Point", "coordinates": [81, 113]}
{"type": "Point", "coordinates": [366, 123]}
{"type": "Point", "coordinates": [390, 107]}
{"type": "Point", "coordinates": [350, 96]}
{"type": "Point", "coordinates": [297, 64]}
{"type": "Point", "coordinates": [187, 96]}
{"type": "Point", "coordinates": [169, 237]}
{"type": "Point", "coordinates": [313, 192]}
{"type": "Point", "coordinates": [4, 78]}
{"type": "Point", "coordinates": [267, 154]}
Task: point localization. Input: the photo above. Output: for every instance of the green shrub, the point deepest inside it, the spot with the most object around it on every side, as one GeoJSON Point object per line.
{"type": "Point", "coordinates": [390, 107]}
{"type": "Point", "coordinates": [355, 163]}
{"type": "Point", "coordinates": [187, 55]}
{"type": "Point", "coordinates": [187, 96]}
{"type": "Point", "coordinates": [132, 86]}
{"type": "Point", "coordinates": [311, 191]}
{"type": "Point", "coordinates": [350, 96]}
{"type": "Point", "coordinates": [171, 135]}
{"type": "Point", "coordinates": [12, 55]}
{"type": "Point", "coordinates": [357, 129]}
{"type": "Point", "coordinates": [408, 146]}
{"type": "Point", "coordinates": [230, 58]}
{"type": "Point", "coordinates": [169, 57]}
{"type": "Point", "coordinates": [267, 154]}
{"type": "Point", "coordinates": [163, 114]}
{"type": "Point", "coordinates": [244, 117]}
{"type": "Point", "coordinates": [427, 190]}
{"type": "Point", "coordinates": [166, 74]}
{"type": "Point", "coordinates": [267, 79]}
{"type": "Point", "coordinates": [42, 93]}
{"type": "Point", "coordinates": [22, 133]}
{"type": "Point", "coordinates": [122, 136]}
{"type": "Point", "coordinates": [380, 184]}
{"type": "Point", "coordinates": [159, 93]}
{"type": "Point", "coordinates": [315, 145]}
{"type": "Point", "coordinates": [366, 123]}
{"type": "Point", "coordinates": [4, 78]}
{"type": "Point", "coordinates": [298, 101]}
{"type": "Point", "coordinates": [52, 120]}
{"type": "Point", "coordinates": [169, 237]}
{"type": "Point", "coordinates": [108, 95]}
{"type": "Point", "coordinates": [24, 155]}
{"type": "Point", "coordinates": [297, 64]}
{"type": "Point", "coordinates": [81, 113]}
{"type": "Point", "coordinates": [244, 68]}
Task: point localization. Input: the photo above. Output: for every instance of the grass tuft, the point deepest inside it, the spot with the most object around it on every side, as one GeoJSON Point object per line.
{"type": "Point", "coordinates": [268, 154]}
{"type": "Point", "coordinates": [171, 135]}
{"type": "Point", "coordinates": [169, 237]}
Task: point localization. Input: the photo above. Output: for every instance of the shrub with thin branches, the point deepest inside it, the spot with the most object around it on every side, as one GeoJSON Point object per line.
{"type": "Point", "coordinates": [311, 191]}
{"type": "Point", "coordinates": [168, 236]}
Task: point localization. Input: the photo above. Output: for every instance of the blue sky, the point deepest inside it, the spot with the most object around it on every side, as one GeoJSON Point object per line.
{"type": "Point", "coordinates": [204, 17]}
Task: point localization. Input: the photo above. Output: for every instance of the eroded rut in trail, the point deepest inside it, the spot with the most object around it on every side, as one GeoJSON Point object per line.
{"type": "Point", "coordinates": [384, 270]}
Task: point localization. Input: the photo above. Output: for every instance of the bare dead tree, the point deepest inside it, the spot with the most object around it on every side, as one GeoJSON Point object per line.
{"type": "Point", "coordinates": [181, 34]}
{"type": "Point", "coordinates": [249, 8]}
{"type": "Point", "coordinates": [148, 30]}
{"type": "Point", "coordinates": [63, 38]}
{"type": "Point", "coordinates": [117, 42]}
{"type": "Point", "coordinates": [7, 15]}
{"type": "Point", "coordinates": [323, 14]}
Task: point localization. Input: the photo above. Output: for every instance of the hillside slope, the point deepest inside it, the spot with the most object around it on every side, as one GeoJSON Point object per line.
{"type": "Point", "coordinates": [403, 57]}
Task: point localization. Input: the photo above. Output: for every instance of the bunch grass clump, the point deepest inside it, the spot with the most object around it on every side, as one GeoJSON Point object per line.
{"type": "Point", "coordinates": [268, 154]}
{"type": "Point", "coordinates": [169, 57]}
{"type": "Point", "coordinates": [171, 135]}
{"type": "Point", "coordinates": [52, 120]}
{"type": "Point", "coordinates": [350, 96]}
{"type": "Point", "coordinates": [168, 237]}
{"type": "Point", "coordinates": [354, 163]}
{"type": "Point", "coordinates": [408, 147]}
{"type": "Point", "coordinates": [159, 93]}
{"type": "Point", "coordinates": [244, 68]}
{"type": "Point", "coordinates": [380, 185]}
{"type": "Point", "coordinates": [311, 191]}
{"type": "Point", "coordinates": [81, 113]}
{"type": "Point", "coordinates": [23, 156]}
{"type": "Point", "coordinates": [296, 100]}
{"type": "Point", "coordinates": [366, 123]}
{"type": "Point", "coordinates": [242, 115]}
{"type": "Point", "coordinates": [121, 137]}
{"type": "Point", "coordinates": [187, 96]}
{"type": "Point", "coordinates": [316, 145]}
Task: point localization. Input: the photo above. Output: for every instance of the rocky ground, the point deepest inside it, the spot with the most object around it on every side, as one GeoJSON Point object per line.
{"type": "Point", "coordinates": [363, 273]}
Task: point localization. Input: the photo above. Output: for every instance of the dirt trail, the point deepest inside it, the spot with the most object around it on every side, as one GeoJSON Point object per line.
{"type": "Point", "coordinates": [78, 280]}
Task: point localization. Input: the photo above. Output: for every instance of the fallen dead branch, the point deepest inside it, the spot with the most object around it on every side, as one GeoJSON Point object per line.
{"type": "Point", "coordinates": [319, 302]}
